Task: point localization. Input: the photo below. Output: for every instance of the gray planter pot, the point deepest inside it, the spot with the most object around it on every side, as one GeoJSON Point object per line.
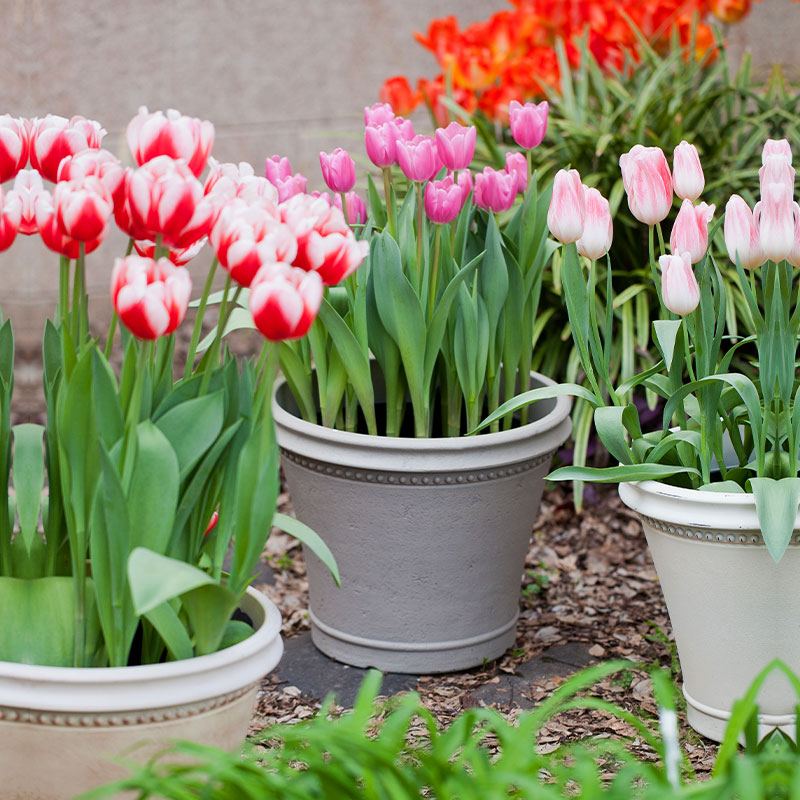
{"type": "Point", "coordinates": [430, 535]}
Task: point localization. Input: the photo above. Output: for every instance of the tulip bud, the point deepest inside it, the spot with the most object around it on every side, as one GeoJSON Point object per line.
{"type": "Point", "coordinates": [776, 169]}
{"type": "Point", "coordinates": [443, 201]}
{"type": "Point", "coordinates": [517, 165]}
{"type": "Point", "coordinates": [741, 234]}
{"type": "Point", "coordinates": [690, 231]}
{"type": "Point", "coordinates": [174, 135]}
{"type": "Point", "coordinates": [687, 172]}
{"type": "Point", "coordinates": [647, 182]}
{"type": "Point", "coordinates": [14, 146]}
{"type": "Point", "coordinates": [775, 217]}
{"type": "Point", "coordinates": [679, 289]}
{"type": "Point", "coordinates": [419, 158]}
{"type": "Point", "coordinates": [284, 301]}
{"type": "Point", "coordinates": [405, 129]}
{"type": "Point", "coordinates": [566, 215]}
{"type": "Point", "coordinates": [150, 297]}
{"type": "Point", "coordinates": [380, 141]}
{"type": "Point", "coordinates": [456, 145]}
{"type": "Point", "coordinates": [495, 190]}
{"type": "Point", "coordinates": [528, 123]}
{"type": "Point", "coordinates": [277, 168]}
{"type": "Point", "coordinates": [598, 229]}
{"type": "Point", "coordinates": [776, 147]}
{"type": "Point", "coordinates": [338, 170]}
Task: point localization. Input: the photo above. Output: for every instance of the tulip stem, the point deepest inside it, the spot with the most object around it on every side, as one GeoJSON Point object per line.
{"type": "Point", "coordinates": [221, 322]}
{"type": "Point", "coordinates": [387, 192]}
{"type": "Point", "coordinates": [654, 270]}
{"type": "Point", "coordinates": [63, 290]}
{"type": "Point", "coordinates": [344, 208]}
{"type": "Point", "coordinates": [112, 329]}
{"type": "Point", "coordinates": [434, 269]}
{"type": "Point", "coordinates": [198, 322]}
{"type": "Point", "coordinates": [420, 223]}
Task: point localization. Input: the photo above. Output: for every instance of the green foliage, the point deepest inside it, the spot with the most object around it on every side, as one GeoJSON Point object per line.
{"type": "Point", "coordinates": [397, 750]}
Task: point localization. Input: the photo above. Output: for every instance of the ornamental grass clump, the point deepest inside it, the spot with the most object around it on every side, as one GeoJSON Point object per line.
{"type": "Point", "coordinates": [731, 419]}
{"type": "Point", "coordinates": [155, 474]}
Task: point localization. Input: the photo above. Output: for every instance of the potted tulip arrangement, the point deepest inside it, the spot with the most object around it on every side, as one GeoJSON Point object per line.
{"type": "Point", "coordinates": [717, 488]}
{"type": "Point", "coordinates": [128, 623]}
{"type": "Point", "coordinates": [429, 528]}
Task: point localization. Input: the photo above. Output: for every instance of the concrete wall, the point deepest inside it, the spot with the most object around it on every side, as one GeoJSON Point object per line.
{"type": "Point", "coordinates": [275, 76]}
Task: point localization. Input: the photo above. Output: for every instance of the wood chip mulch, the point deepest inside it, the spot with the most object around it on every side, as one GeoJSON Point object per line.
{"type": "Point", "coordinates": [589, 580]}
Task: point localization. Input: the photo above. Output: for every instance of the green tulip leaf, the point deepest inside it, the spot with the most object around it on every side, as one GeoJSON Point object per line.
{"type": "Point", "coordinates": [777, 503]}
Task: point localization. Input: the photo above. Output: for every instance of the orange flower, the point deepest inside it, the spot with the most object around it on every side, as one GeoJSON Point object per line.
{"type": "Point", "coordinates": [729, 10]}
{"type": "Point", "coordinates": [433, 91]}
{"type": "Point", "coordinates": [442, 37]}
{"type": "Point", "coordinates": [397, 92]}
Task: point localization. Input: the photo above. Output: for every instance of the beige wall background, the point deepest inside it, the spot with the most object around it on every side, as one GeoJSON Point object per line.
{"type": "Point", "coordinates": [275, 76]}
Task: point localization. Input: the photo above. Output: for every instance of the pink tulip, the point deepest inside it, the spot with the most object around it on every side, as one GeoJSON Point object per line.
{"type": "Point", "coordinates": [418, 158]}
{"type": "Point", "coordinates": [53, 138]}
{"type": "Point", "coordinates": [456, 145]}
{"type": "Point", "coordinates": [495, 190]}
{"type": "Point", "coordinates": [10, 217]}
{"type": "Point", "coordinates": [465, 184]}
{"type": "Point", "coordinates": [325, 243]}
{"type": "Point", "coordinates": [356, 207]}
{"type": "Point", "coordinates": [598, 228]}
{"type": "Point", "coordinates": [53, 234]}
{"type": "Point", "coordinates": [517, 165]}
{"type": "Point", "coordinates": [679, 289]}
{"type": "Point", "coordinates": [443, 201]}
{"type": "Point", "coordinates": [98, 163]}
{"type": "Point", "coordinates": [289, 187]}
{"type": "Point", "coordinates": [741, 234]}
{"type": "Point", "coordinates": [14, 146]}
{"type": "Point", "coordinates": [381, 143]}
{"type": "Point", "coordinates": [405, 129]}
{"type": "Point", "coordinates": [648, 183]}
{"type": "Point", "coordinates": [687, 172]}
{"type": "Point", "coordinates": [690, 231]}
{"type": "Point", "coordinates": [284, 301]}
{"type": "Point", "coordinates": [277, 168]}
{"type": "Point", "coordinates": [150, 297]}
{"type": "Point", "coordinates": [338, 170]}
{"type": "Point", "coordinates": [174, 135]}
{"type": "Point", "coordinates": [794, 256]}
{"type": "Point", "coordinates": [163, 198]}
{"type": "Point", "coordinates": [566, 216]}
{"type": "Point", "coordinates": [246, 236]}
{"type": "Point", "coordinates": [378, 114]}
{"type": "Point", "coordinates": [226, 181]}
{"type": "Point", "coordinates": [28, 186]}
{"type": "Point", "coordinates": [83, 208]}
{"type": "Point", "coordinates": [776, 147]}
{"type": "Point", "coordinates": [775, 217]}
{"type": "Point", "coordinates": [528, 123]}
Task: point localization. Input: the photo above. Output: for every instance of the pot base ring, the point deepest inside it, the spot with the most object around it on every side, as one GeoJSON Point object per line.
{"type": "Point", "coordinates": [412, 657]}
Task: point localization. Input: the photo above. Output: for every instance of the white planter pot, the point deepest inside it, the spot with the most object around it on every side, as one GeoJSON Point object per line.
{"type": "Point", "coordinates": [430, 535]}
{"type": "Point", "coordinates": [733, 609]}
{"type": "Point", "coordinates": [59, 726]}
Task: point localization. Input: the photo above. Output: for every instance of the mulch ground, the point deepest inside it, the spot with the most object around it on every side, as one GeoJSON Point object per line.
{"type": "Point", "coordinates": [589, 581]}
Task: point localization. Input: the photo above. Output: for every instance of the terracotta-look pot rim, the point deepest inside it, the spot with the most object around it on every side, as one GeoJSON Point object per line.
{"type": "Point", "coordinates": [150, 685]}
{"type": "Point", "coordinates": [431, 454]}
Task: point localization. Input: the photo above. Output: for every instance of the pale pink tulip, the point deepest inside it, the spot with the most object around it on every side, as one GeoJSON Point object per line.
{"type": "Point", "coordinates": [277, 168]}
{"type": "Point", "coordinates": [690, 231]}
{"type": "Point", "coordinates": [528, 123]}
{"type": "Point", "coordinates": [776, 147]}
{"type": "Point", "coordinates": [566, 216]}
{"type": "Point", "coordinates": [687, 172]}
{"type": "Point", "coordinates": [741, 234]}
{"type": "Point", "coordinates": [291, 186]}
{"type": "Point", "coordinates": [648, 183]}
{"type": "Point", "coordinates": [775, 217]}
{"type": "Point", "coordinates": [679, 289]}
{"type": "Point", "coordinates": [794, 256]}
{"type": "Point", "coordinates": [776, 169]}
{"type": "Point", "coordinates": [174, 135]}
{"type": "Point", "coordinates": [598, 228]}
{"type": "Point", "coordinates": [284, 301]}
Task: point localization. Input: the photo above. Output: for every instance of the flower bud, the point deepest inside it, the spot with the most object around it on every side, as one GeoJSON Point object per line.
{"type": "Point", "coordinates": [679, 289]}
{"type": "Point", "coordinates": [775, 217]}
{"type": "Point", "coordinates": [647, 182]}
{"type": "Point", "coordinates": [443, 201]}
{"type": "Point", "coordinates": [338, 170]}
{"type": "Point", "coordinates": [741, 234]}
{"type": "Point", "coordinates": [566, 216]}
{"type": "Point", "coordinates": [456, 145]}
{"type": "Point", "coordinates": [517, 165]}
{"type": "Point", "coordinates": [528, 123]}
{"type": "Point", "coordinates": [687, 172]}
{"type": "Point", "coordinates": [495, 190]}
{"type": "Point", "coordinates": [598, 229]}
{"type": "Point", "coordinates": [690, 231]}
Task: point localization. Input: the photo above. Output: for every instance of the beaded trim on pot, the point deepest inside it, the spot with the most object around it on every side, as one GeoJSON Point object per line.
{"type": "Point", "coordinates": [66, 719]}
{"type": "Point", "coordinates": [706, 535]}
{"type": "Point", "coordinates": [415, 478]}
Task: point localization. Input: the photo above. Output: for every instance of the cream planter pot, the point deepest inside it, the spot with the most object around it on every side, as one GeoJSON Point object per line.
{"type": "Point", "coordinates": [430, 535]}
{"type": "Point", "coordinates": [59, 726]}
{"type": "Point", "coordinates": [733, 609]}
